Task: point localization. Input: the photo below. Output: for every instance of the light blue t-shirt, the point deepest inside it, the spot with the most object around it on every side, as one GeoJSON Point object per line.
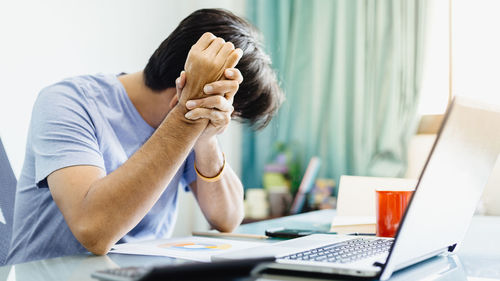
{"type": "Point", "coordinates": [86, 120]}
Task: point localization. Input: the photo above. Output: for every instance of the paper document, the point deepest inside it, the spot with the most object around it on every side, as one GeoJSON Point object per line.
{"type": "Point", "coordinates": [189, 248]}
{"type": "Point", "coordinates": [356, 202]}
{"type": "Point", "coordinates": [352, 220]}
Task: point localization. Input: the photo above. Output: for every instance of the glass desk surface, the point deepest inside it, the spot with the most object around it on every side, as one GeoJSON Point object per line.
{"type": "Point", "coordinates": [478, 259]}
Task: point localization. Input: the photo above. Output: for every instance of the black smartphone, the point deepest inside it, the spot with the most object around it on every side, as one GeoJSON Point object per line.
{"type": "Point", "coordinates": [281, 232]}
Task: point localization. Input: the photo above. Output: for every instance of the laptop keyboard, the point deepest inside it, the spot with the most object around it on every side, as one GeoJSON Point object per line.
{"type": "Point", "coordinates": [344, 252]}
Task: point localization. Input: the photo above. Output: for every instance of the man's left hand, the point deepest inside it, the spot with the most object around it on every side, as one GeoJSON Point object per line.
{"type": "Point", "coordinates": [218, 107]}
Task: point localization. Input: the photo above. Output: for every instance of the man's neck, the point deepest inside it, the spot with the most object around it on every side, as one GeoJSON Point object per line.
{"type": "Point", "coordinates": [152, 106]}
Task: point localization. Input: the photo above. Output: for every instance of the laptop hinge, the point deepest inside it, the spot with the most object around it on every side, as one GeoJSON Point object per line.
{"type": "Point", "coordinates": [452, 247]}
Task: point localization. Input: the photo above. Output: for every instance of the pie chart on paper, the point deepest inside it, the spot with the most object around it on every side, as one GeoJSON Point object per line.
{"type": "Point", "coordinates": [194, 246]}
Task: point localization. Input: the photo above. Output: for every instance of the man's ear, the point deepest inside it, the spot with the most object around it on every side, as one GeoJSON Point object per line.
{"type": "Point", "coordinates": [174, 101]}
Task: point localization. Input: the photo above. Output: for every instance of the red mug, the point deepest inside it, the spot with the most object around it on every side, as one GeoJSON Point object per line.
{"type": "Point", "coordinates": [390, 207]}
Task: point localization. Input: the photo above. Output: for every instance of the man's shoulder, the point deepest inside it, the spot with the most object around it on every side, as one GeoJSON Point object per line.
{"type": "Point", "coordinates": [83, 85]}
{"type": "Point", "coordinates": [77, 91]}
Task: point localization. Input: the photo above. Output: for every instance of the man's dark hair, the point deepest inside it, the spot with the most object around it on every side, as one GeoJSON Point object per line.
{"type": "Point", "coordinates": [259, 95]}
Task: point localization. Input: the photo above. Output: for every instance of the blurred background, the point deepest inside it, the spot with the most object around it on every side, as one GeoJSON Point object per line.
{"type": "Point", "coordinates": [367, 82]}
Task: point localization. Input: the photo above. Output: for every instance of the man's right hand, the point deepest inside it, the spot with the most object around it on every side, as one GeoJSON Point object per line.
{"type": "Point", "coordinates": [206, 62]}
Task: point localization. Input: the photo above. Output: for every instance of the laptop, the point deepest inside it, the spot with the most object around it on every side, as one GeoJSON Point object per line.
{"type": "Point", "coordinates": [436, 220]}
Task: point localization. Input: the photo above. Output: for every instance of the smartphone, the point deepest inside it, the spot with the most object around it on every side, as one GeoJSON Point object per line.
{"type": "Point", "coordinates": [281, 232]}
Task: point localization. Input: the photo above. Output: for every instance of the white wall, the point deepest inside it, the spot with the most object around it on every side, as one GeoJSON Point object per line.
{"type": "Point", "coordinates": [45, 41]}
{"type": "Point", "coordinates": [42, 42]}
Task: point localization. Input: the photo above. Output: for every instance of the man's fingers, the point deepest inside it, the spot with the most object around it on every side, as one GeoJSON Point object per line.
{"type": "Point", "coordinates": [226, 49]}
{"type": "Point", "coordinates": [217, 118]}
{"type": "Point", "coordinates": [180, 82]}
{"type": "Point", "coordinates": [215, 46]}
{"type": "Point", "coordinates": [212, 102]}
{"type": "Point", "coordinates": [233, 74]}
{"type": "Point", "coordinates": [233, 58]}
{"type": "Point", "coordinates": [178, 87]}
{"type": "Point", "coordinates": [204, 41]}
{"type": "Point", "coordinates": [227, 88]}
{"type": "Point", "coordinates": [183, 79]}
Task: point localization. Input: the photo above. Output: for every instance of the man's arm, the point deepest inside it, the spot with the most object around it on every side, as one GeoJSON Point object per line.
{"type": "Point", "coordinates": [100, 209]}
{"type": "Point", "coordinates": [222, 201]}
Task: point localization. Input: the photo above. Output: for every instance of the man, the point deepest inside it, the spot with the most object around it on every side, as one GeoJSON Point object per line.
{"type": "Point", "coordinates": [106, 154]}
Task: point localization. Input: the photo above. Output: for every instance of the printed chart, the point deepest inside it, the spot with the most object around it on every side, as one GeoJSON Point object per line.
{"type": "Point", "coordinates": [189, 248]}
{"type": "Point", "coordinates": [195, 246]}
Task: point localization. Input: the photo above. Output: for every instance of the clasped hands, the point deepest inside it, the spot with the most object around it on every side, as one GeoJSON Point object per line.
{"type": "Point", "coordinates": [209, 82]}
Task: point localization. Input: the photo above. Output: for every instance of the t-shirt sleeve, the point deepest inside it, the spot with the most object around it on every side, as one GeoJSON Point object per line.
{"type": "Point", "coordinates": [62, 131]}
{"type": "Point", "coordinates": [189, 174]}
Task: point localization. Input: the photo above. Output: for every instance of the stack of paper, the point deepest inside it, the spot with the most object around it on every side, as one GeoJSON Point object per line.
{"type": "Point", "coordinates": [352, 224]}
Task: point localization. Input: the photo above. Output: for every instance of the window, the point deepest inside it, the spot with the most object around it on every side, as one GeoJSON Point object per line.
{"type": "Point", "coordinates": [475, 53]}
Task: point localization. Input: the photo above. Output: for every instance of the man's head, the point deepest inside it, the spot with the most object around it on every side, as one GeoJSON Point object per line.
{"type": "Point", "coordinates": [259, 95]}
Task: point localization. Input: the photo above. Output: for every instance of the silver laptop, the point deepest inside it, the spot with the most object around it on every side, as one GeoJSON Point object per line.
{"type": "Point", "coordinates": [436, 220]}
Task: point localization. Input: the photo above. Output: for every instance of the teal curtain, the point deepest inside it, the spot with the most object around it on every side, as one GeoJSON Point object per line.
{"type": "Point", "coordinates": [351, 71]}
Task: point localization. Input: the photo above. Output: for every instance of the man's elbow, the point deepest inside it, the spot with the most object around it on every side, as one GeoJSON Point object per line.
{"type": "Point", "coordinates": [94, 240]}
{"type": "Point", "coordinates": [226, 227]}
{"type": "Point", "coordinates": [229, 224]}
{"type": "Point", "coordinates": [98, 250]}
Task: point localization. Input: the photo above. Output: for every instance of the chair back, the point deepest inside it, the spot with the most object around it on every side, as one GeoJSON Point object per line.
{"type": "Point", "coordinates": [7, 195]}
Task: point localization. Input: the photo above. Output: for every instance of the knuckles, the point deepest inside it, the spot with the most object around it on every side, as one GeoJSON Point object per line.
{"type": "Point", "coordinates": [220, 100]}
{"type": "Point", "coordinates": [203, 61]}
{"type": "Point", "coordinates": [219, 41]}
{"type": "Point", "coordinates": [227, 119]}
{"type": "Point", "coordinates": [235, 85]}
{"type": "Point", "coordinates": [213, 115]}
{"type": "Point", "coordinates": [231, 45]}
{"type": "Point", "coordinates": [208, 35]}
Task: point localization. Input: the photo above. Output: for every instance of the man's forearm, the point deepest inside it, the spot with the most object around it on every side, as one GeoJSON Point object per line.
{"type": "Point", "coordinates": [220, 201]}
{"type": "Point", "coordinates": [117, 202]}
